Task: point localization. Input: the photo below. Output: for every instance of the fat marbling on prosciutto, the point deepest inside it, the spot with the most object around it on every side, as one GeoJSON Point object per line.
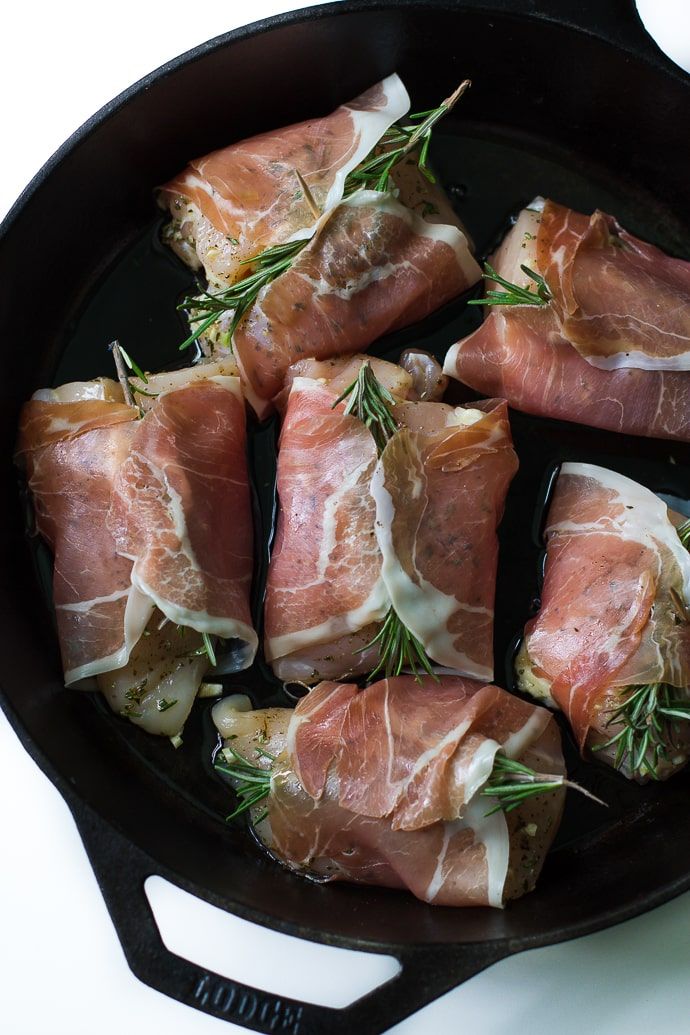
{"type": "Point", "coordinates": [150, 527]}
{"type": "Point", "coordinates": [384, 786]}
{"type": "Point", "coordinates": [359, 534]}
{"type": "Point", "coordinates": [614, 623]}
{"type": "Point", "coordinates": [610, 349]}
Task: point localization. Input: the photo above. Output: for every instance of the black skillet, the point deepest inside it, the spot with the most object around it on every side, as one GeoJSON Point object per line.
{"type": "Point", "coordinates": [570, 99]}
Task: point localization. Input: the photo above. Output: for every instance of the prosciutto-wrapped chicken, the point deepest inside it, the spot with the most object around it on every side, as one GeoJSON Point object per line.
{"type": "Point", "coordinates": [229, 205]}
{"type": "Point", "coordinates": [150, 526]}
{"type": "Point", "coordinates": [304, 259]}
{"type": "Point", "coordinates": [386, 529]}
{"type": "Point", "coordinates": [604, 340]}
{"type": "Point", "coordinates": [610, 645]}
{"type": "Point", "coordinates": [371, 267]}
{"type": "Point", "coordinates": [401, 785]}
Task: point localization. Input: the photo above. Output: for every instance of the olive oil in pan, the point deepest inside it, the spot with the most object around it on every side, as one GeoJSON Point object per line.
{"type": "Point", "coordinates": [490, 176]}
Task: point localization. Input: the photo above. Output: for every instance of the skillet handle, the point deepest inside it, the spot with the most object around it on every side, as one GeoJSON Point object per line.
{"type": "Point", "coordinates": [121, 870]}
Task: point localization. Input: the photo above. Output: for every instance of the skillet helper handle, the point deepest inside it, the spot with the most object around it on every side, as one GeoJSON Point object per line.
{"type": "Point", "coordinates": [121, 870]}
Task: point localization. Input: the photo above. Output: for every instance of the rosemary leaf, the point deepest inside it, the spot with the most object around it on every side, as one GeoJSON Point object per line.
{"type": "Point", "coordinates": [513, 294]}
{"type": "Point", "coordinates": [252, 782]}
{"type": "Point", "coordinates": [134, 367]}
{"type": "Point", "coordinates": [163, 705]}
{"type": "Point", "coordinates": [208, 648]}
{"type": "Point", "coordinates": [684, 533]}
{"type": "Point", "coordinates": [129, 712]}
{"type": "Point", "coordinates": [142, 391]}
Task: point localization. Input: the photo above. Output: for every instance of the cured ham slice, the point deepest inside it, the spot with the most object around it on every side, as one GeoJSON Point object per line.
{"type": "Point", "coordinates": [612, 347]}
{"type": "Point", "coordinates": [233, 203]}
{"type": "Point", "coordinates": [150, 526]}
{"type": "Point", "coordinates": [181, 510]}
{"type": "Point", "coordinates": [324, 580]}
{"type": "Point", "coordinates": [72, 451]}
{"type": "Point", "coordinates": [384, 786]}
{"type": "Point", "coordinates": [620, 301]}
{"type": "Point", "coordinates": [440, 488]}
{"type": "Point", "coordinates": [613, 618]}
{"type": "Point", "coordinates": [414, 530]}
{"type": "Point", "coordinates": [372, 266]}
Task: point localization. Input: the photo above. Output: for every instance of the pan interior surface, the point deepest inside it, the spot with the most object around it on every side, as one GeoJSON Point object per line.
{"type": "Point", "coordinates": [551, 112]}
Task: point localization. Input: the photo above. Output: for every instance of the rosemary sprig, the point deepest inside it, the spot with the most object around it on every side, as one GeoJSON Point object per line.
{"type": "Point", "coordinates": [373, 173]}
{"type": "Point", "coordinates": [512, 783]}
{"type": "Point", "coordinates": [253, 783]}
{"type": "Point", "coordinates": [648, 719]}
{"type": "Point", "coordinates": [207, 307]}
{"type": "Point", "coordinates": [371, 402]}
{"type": "Point", "coordinates": [399, 649]}
{"type": "Point", "coordinates": [514, 295]}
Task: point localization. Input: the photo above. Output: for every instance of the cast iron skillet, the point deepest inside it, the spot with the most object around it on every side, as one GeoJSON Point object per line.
{"type": "Point", "coordinates": [570, 99]}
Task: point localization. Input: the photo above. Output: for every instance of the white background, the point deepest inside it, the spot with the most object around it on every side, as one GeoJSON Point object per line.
{"type": "Point", "coordinates": [61, 967]}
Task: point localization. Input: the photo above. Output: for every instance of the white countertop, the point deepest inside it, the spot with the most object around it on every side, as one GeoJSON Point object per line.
{"type": "Point", "coordinates": [62, 967]}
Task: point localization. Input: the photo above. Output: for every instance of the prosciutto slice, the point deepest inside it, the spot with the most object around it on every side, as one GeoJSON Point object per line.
{"type": "Point", "coordinates": [72, 452]}
{"type": "Point", "coordinates": [357, 535]}
{"type": "Point", "coordinates": [324, 580]}
{"type": "Point", "coordinates": [372, 266]}
{"type": "Point", "coordinates": [181, 510]}
{"type": "Point", "coordinates": [614, 606]}
{"type": "Point", "coordinates": [621, 302]}
{"type": "Point", "coordinates": [440, 488]}
{"type": "Point", "coordinates": [383, 786]}
{"type": "Point", "coordinates": [236, 202]}
{"type": "Point", "coordinates": [611, 349]}
{"type": "Point", "coordinates": [150, 526]}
